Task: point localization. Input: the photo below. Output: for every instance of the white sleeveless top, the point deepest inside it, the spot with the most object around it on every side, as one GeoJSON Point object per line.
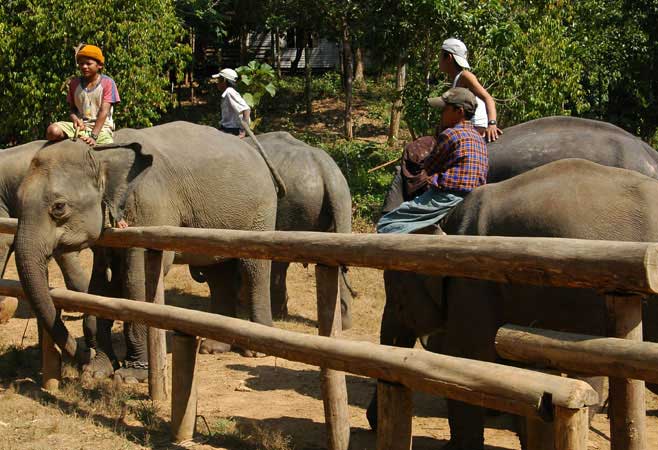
{"type": "Point", "coordinates": [480, 119]}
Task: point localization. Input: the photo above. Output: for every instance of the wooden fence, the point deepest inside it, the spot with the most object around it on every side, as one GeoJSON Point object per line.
{"type": "Point", "coordinates": [616, 268]}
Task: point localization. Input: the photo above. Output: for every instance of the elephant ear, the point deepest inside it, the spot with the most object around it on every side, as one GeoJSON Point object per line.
{"type": "Point", "coordinates": [119, 168]}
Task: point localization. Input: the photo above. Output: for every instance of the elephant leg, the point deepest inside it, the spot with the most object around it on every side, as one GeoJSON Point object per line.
{"type": "Point", "coordinates": [222, 280]}
{"type": "Point", "coordinates": [473, 318]}
{"type": "Point", "coordinates": [393, 332]}
{"type": "Point", "coordinates": [98, 331]}
{"type": "Point", "coordinates": [279, 289]}
{"type": "Point", "coordinates": [8, 305]}
{"type": "Point", "coordinates": [254, 295]}
{"type": "Point", "coordinates": [133, 275]}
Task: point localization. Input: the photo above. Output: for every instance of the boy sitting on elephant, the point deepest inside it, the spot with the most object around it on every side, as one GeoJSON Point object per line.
{"type": "Point", "coordinates": [457, 165]}
{"type": "Point", "coordinates": [91, 97]}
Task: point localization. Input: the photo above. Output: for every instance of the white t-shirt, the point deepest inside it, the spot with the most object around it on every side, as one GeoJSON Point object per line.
{"type": "Point", "coordinates": [232, 106]}
{"type": "Point", "coordinates": [480, 119]}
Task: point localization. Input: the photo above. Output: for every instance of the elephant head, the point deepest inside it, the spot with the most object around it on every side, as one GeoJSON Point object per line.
{"type": "Point", "coordinates": [70, 193]}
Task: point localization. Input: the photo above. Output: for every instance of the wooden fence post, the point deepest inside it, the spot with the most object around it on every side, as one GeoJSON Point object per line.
{"type": "Point", "coordinates": [51, 362]}
{"type": "Point", "coordinates": [157, 344]}
{"type": "Point", "coordinates": [571, 428]}
{"type": "Point", "coordinates": [394, 416]}
{"type": "Point", "coordinates": [183, 386]}
{"type": "Point", "coordinates": [627, 406]}
{"type": "Point", "coordinates": [334, 389]}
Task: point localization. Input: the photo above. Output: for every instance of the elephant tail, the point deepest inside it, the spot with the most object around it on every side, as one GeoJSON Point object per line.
{"type": "Point", "coordinates": [278, 181]}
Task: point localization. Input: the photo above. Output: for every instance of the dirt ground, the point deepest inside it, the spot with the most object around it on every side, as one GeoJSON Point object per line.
{"type": "Point", "coordinates": [244, 403]}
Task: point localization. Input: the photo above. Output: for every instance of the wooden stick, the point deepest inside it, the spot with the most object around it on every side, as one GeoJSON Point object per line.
{"type": "Point", "coordinates": [627, 406]}
{"type": "Point", "coordinates": [386, 164]}
{"type": "Point", "coordinates": [394, 416]}
{"type": "Point", "coordinates": [579, 353]}
{"type": "Point", "coordinates": [490, 385]}
{"type": "Point", "coordinates": [332, 382]}
{"type": "Point", "coordinates": [51, 362]}
{"type": "Point", "coordinates": [602, 265]}
{"type": "Point", "coordinates": [183, 386]}
{"type": "Point", "coordinates": [157, 343]}
{"type": "Point", "coordinates": [571, 428]}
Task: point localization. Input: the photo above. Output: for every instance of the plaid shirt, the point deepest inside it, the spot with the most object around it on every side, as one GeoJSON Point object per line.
{"type": "Point", "coordinates": [459, 161]}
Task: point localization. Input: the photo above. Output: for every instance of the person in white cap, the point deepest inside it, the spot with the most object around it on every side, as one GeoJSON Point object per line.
{"type": "Point", "coordinates": [234, 107]}
{"type": "Point", "coordinates": [454, 63]}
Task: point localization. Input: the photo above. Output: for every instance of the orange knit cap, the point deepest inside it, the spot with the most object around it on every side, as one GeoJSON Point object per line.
{"type": "Point", "coordinates": [91, 51]}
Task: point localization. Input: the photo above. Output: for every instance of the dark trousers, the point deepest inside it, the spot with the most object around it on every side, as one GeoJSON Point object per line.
{"type": "Point", "coordinates": [235, 131]}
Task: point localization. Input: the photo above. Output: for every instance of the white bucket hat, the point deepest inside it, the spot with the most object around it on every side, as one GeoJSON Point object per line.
{"type": "Point", "coordinates": [458, 50]}
{"type": "Point", "coordinates": [229, 74]}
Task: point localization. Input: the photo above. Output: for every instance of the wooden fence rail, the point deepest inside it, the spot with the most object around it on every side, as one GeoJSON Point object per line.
{"type": "Point", "coordinates": [608, 266]}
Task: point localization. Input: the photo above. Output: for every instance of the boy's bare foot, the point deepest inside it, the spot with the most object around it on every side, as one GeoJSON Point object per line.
{"type": "Point", "coordinates": [122, 224]}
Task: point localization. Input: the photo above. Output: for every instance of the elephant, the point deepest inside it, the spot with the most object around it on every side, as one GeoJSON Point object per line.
{"type": "Point", "coordinates": [569, 198]}
{"type": "Point", "coordinates": [531, 144]}
{"type": "Point", "coordinates": [14, 163]}
{"type": "Point", "coordinates": [178, 174]}
{"type": "Point", "coordinates": [317, 199]}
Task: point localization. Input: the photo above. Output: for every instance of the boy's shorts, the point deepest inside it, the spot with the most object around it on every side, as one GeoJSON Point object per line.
{"type": "Point", "coordinates": [104, 137]}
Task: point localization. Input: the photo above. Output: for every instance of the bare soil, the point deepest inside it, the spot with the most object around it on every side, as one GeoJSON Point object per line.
{"type": "Point", "coordinates": [244, 403]}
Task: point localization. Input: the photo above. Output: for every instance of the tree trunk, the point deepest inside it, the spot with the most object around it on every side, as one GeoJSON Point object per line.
{"type": "Point", "coordinates": [277, 49]}
{"type": "Point", "coordinates": [308, 71]}
{"type": "Point", "coordinates": [396, 107]}
{"type": "Point", "coordinates": [243, 45]}
{"type": "Point", "coordinates": [347, 76]}
{"type": "Point", "coordinates": [359, 79]}
{"type": "Point", "coordinates": [191, 73]}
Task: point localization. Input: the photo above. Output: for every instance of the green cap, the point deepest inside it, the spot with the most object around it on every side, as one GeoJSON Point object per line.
{"type": "Point", "coordinates": [458, 96]}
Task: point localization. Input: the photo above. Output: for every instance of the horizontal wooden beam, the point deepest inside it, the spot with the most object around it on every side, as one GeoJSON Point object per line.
{"type": "Point", "coordinates": [504, 388]}
{"type": "Point", "coordinates": [614, 357]}
{"type": "Point", "coordinates": [602, 265]}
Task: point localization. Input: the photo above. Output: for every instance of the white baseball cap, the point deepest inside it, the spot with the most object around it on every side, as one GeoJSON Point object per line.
{"type": "Point", "coordinates": [229, 74]}
{"type": "Point", "coordinates": [458, 50]}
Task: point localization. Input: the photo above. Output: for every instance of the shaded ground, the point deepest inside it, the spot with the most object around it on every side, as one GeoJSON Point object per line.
{"type": "Point", "coordinates": [266, 403]}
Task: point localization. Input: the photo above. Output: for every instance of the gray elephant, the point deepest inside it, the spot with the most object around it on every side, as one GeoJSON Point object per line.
{"type": "Point", "coordinates": [570, 198]}
{"type": "Point", "coordinates": [14, 164]}
{"type": "Point", "coordinates": [537, 142]}
{"type": "Point", "coordinates": [317, 199]}
{"type": "Point", "coordinates": [177, 174]}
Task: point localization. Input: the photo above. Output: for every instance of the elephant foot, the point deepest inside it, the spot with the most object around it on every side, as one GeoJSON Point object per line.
{"type": "Point", "coordinates": [212, 347]}
{"type": "Point", "coordinates": [100, 367]}
{"type": "Point", "coordinates": [249, 353]}
{"type": "Point", "coordinates": [346, 322]}
{"type": "Point", "coordinates": [132, 372]}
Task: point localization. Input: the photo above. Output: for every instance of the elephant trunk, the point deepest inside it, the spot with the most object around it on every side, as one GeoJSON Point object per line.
{"type": "Point", "coordinates": [32, 255]}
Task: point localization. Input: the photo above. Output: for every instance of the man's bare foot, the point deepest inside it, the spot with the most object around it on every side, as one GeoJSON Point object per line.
{"type": "Point", "coordinates": [122, 224]}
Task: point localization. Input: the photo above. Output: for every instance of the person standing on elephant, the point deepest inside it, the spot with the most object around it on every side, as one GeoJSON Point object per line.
{"type": "Point", "coordinates": [457, 165]}
{"type": "Point", "coordinates": [92, 98]}
{"type": "Point", "coordinates": [454, 63]}
{"type": "Point", "coordinates": [234, 108]}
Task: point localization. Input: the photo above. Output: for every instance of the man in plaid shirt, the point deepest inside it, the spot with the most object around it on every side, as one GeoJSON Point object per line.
{"type": "Point", "coordinates": [457, 165]}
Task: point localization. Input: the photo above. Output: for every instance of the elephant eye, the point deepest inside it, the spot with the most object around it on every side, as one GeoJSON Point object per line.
{"type": "Point", "coordinates": [59, 210]}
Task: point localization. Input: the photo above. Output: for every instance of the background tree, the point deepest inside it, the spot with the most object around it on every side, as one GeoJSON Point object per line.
{"type": "Point", "coordinates": [141, 44]}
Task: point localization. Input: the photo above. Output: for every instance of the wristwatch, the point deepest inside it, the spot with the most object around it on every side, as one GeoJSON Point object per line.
{"type": "Point", "coordinates": [93, 136]}
{"type": "Point", "coordinates": [492, 122]}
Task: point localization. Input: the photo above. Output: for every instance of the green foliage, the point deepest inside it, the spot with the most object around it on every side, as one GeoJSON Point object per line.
{"type": "Point", "coordinates": [368, 189]}
{"type": "Point", "coordinates": [256, 80]}
{"type": "Point", "coordinates": [141, 43]}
